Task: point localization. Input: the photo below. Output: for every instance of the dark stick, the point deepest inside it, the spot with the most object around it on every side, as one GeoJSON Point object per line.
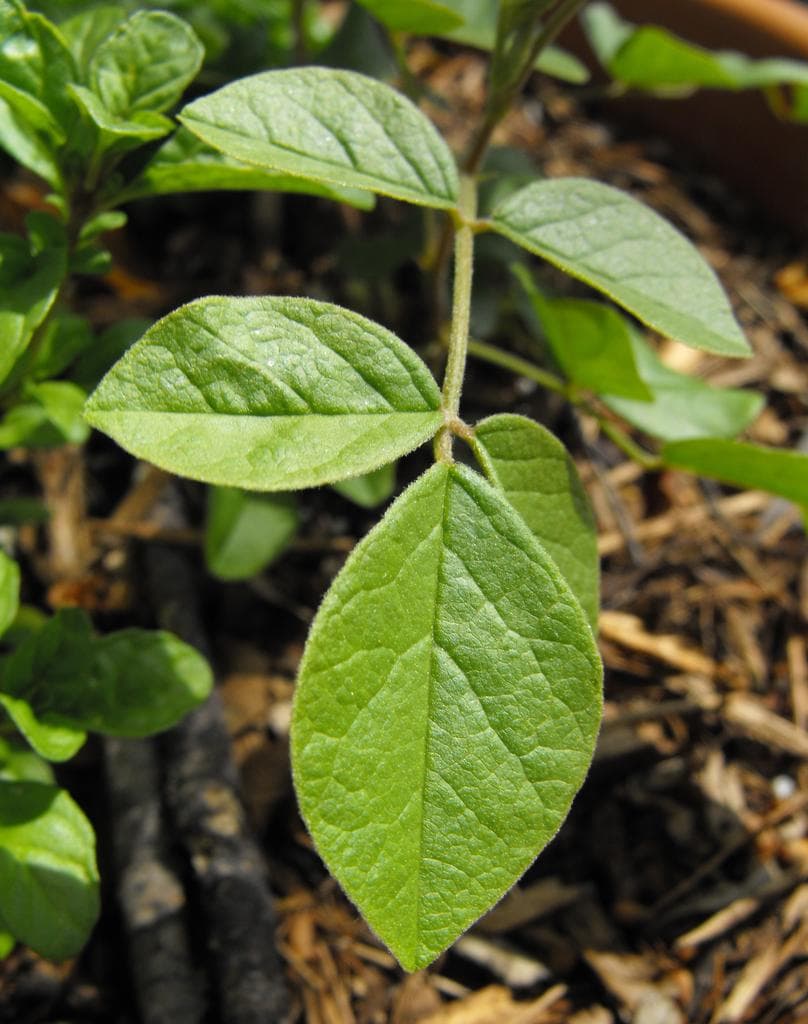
{"type": "Point", "coordinates": [202, 795]}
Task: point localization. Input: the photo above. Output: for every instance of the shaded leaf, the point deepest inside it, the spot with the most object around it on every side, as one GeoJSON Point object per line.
{"type": "Point", "coordinates": [245, 532]}
{"type": "Point", "coordinates": [617, 245]}
{"type": "Point", "coordinates": [27, 146]}
{"type": "Point", "coordinates": [445, 714]}
{"type": "Point", "coordinates": [336, 127]}
{"type": "Point", "coordinates": [48, 415]}
{"type": "Point", "coordinates": [681, 406]}
{"type": "Point", "coordinates": [590, 341]}
{"type": "Point", "coordinates": [48, 876]}
{"type": "Point", "coordinates": [538, 477]}
{"type": "Point", "coordinates": [20, 764]}
{"type": "Point", "coordinates": [9, 590]}
{"type": "Point", "coordinates": [370, 489]}
{"type": "Point", "coordinates": [423, 16]}
{"type": "Point", "coordinates": [743, 465]}
{"type": "Point", "coordinates": [267, 394]}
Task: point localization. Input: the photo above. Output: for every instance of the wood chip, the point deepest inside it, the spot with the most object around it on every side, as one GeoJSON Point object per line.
{"type": "Point", "coordinates": [747, 714]}
{"type": "Point", "coordinates": [516, 969]}
{"type": "Point", "coordinates": [629, 631]}
{"type": "Point", "coordinates": [525, 904]}
{"type": "Point", "coordinates": [495, 1004]}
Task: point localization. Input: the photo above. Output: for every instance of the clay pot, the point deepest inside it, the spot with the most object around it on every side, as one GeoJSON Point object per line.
{"type": "Point", "coordinates": [735, 133]}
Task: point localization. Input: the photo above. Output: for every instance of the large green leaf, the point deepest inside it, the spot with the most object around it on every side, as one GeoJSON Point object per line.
{"type": "Point", "coordinates": [621, 247]}
{"type": "Point", "coordinates": [145, 64]}
{"type": "Point", "coordinates": [423, 16]}
{"type": "Point", "coordinates": [538, 477]}
{"type": "Point", "coordinates": [651, 58]}
{"type": "Point", "coordinates": [681, 406]}
{"type": "Point", "coordinates": [48, 876]}
{"type": "Point", "coordinates": [186, 164]}
{"type": "Point", "coordinates": [591, 342]}
{"type": "Point", "coordinates": [445, 714]}
{"type": "Point", "coordinates": [245, 532]}
{"type": "Point", "coordinates": [9, 590]}
{"type": "Point", "coordinates": [336, 127]}
{"type": "Point", "coordinates": [743, 465]}
{"type": "Point", "coordinates": [267, 394]}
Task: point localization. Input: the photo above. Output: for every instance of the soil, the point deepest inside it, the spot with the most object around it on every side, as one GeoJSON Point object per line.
{"type": "Point", "coordinates": [677, 890]}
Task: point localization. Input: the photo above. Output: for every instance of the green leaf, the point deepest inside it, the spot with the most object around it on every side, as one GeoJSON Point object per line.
{"type": "Point", "coordinates": [146, 64]}
{"type": "Point", "coordinates": [27, 146]}
{"type": "Point", "coordinates": [743, 465]}
{"type": "Point", "coordinates": [84, 32]}
{"type": "Point", "coordinates": [245, 532]}
{"type": "Point", "coordinates": [19, 764]}
{"type": "Point", "coordinates": [445, 714]}
{"type": "Point", "coordinates": [335, 127]}
{"type": "Point", "coordinates": [142, 682]}
{"type": "Point", "coordinates": [49, 415]}
{"type": "Point", "coordinates": [106, 350]}
{"type": "Point", "coordinates": [617, 245]}
{"type": "Point", "coordinates": [267, 394]}
{"type": "Point", "coordinates": [9, 591]}
{"type": "Point", "coordinates": [115, 132]}
{"type": "Point", "coordinates": [7, 944]}
{"type": "Point", "coordinates": [186, 164]}
{"type": "Point", "coordinates": [538, 477]}
{"type": "Point", "coordinates": [650, 58]}
{"type": "Point", "coordinates": [48, 876]}
{"type": "Point", "coordinates": [370, 489]}
{"type": "Point", "coordinates": [63, 339]}
{"type": "Point", "coordinates": [683, 407]}
{"type": "Point", "coordinates": [35, 68]}
{"type": "Point", "coordinates": [25, 300]}
{"type": "Point", "coordinates": [591, 342]}
{"type": "Point", "coordinates": [426, 17]}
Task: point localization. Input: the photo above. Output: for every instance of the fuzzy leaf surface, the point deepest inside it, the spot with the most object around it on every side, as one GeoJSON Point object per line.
{"type": "Point", "coordinates": [267, 394]}
{"type": "Point", "coordinates": [743, 465]}
{"type": "Point", "coordinates": [186, 164]}
{"type": "Point", "coordinates": [538, 477]}
{"type": "Point", "coordinates": [445, 714]}
{"type": "Point", "coordinates": [245, 532]}
{"type": "Point", "coordinates": [48, 875]}
{"type": "Point", "coordinates": [336, 127]}
{"type": "Point", "coordinates": [627, 251]}
{"type": "Point", "coordinates": [681, 406]}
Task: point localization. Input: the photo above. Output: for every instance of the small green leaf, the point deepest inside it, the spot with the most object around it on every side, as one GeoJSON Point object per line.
{"type": "Point", "coordinates": [370, 489]}
{"type": "Point", "coordinates": [7, 944]}
{"type": "Point", "coordinates": [618, 245]}
{"type": "Point", "coordinates": [115, 132]}
{"type": "Point", "coordinates": [27, 146]}
{"type": "Point", "coordinates": [267, 394]}
{"type": "Point", "coordinates": [186, 164]}
{"type": "Point", "coordinates": [84, 32]}
{"type": "Point", "coordinates": [9, 591]}
{"type": "Point", "coordinates": [245, 532]}
{"type": "Point", "coordinates": [49, 415]}
{"type": "Point", "coordinates": [591, 342]}
{"type": "Point", "coordinates": [336, 127]}
{"type": "Point", "coordinates": [146, 64]}
{"type": "Point", "coordinates": [538, 477]}
{"type": "Point", "coordinates": [48, 876]}
{"type": "Point", "coordinates": [106, 350]}
{"type": "Point", "coordinates": [743, 465]}
{"type": "Point", "coordinates": [445, 714]}
{"type": "Point", "coordinates": [20, 764]}
{"type": "Point", "coordinates": [682, 407]}
{"type": "Point", "coordinates": [427, 17]}
{"type": "Point", "coordinates": [63, 338]}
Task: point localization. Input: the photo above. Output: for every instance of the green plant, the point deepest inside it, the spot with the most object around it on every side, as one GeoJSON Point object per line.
{"type": "Point", "coordinates": [449, 696]}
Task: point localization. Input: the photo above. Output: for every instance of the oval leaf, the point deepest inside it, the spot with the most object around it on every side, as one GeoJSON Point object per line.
{"type": "Point", "coordinates": [743, 465]}
{"type": "Point", "coordinates": [370, 489]}
{"type": "Point", "coordinates": [244, 532]}
{"type": "Point", "coordinates": [625, 250]}
{"type": "Point", "coordinates": [48, 876]}
{"type": "Point", "coordinates": [424, 16]}
{"type": "Point", "coordinates": [267, 394]}
{"type": "Point", "coordinates": [9, 591]}
{"type": "Point", "coordinates": [337, 127]}
{"type": "Point", "coordinates": [539, 478]}
{"type": "Point", "coordinates": [446, 712]}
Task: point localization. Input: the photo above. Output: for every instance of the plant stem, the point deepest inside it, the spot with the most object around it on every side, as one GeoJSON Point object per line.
{"type": "Point", "coordinates": [517, 365]}
{"type": "Point", "coordinates": [299, 29]}
{"type": "Point", "coordinates": [461, 315]}
{"type": "Point", "coordinates": [623, 441]}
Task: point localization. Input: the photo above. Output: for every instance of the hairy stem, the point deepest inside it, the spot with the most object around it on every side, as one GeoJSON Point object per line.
{"type": "Point", "coordinates": [461, 314]}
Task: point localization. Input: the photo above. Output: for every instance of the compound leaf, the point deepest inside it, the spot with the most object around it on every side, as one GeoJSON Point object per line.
{"type": "Point", "coordinates": [245, 532]}
{"type": "Point", "coordinates": [9, 591]}
{"type": "Point", "coordinates": [591, 341]}
{"type": "Point", "coordinates": [622, 248]}
{"type": "Point", "coordinates": [145, 65]}
{"type": "Point", "coordinates": [186, 164]}
{"type": "Point", "coordinates": [336, 127]}
{"type": "Point", "coordinates": [743, 465]}
{"type": "Point", "coordinates": [48, 875]}
{"type": "Point", "coordinates": [267, 394]}
{"type": "Point", "coordinates": [538, 477]}
{"type": "Point", "coordinates": [445, 714]}
{"type": "Point", "coordinates": [682, 407]}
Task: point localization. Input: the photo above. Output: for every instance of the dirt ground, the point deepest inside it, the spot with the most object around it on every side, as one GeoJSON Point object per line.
{"type": "Point", "coordinates": [677, 890]}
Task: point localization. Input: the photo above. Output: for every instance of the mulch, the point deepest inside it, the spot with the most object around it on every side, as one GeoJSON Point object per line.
{"type": "Point", "coordinates": [677, 890]}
